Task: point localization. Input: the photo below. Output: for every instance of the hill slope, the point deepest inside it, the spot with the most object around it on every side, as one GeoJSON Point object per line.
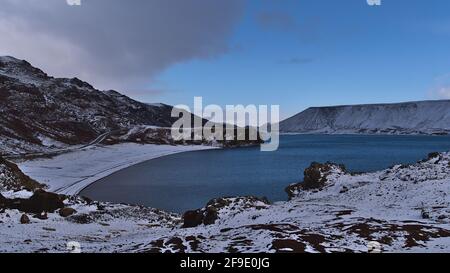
{"type": "Point", "coordinates": [425, 117]}
{"type": "Point", "coordinates": [40, 112]}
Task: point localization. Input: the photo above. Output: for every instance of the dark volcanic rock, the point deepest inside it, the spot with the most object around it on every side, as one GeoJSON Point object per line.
{"type": "Point", "coordinates": [193, 218]}
{"type": "Point", "coordinates": [66, 212]}
{"type": "Point", "coordinates": [211, 213]}
{"type": "Point", "coordinates": [24, 219]}
{"type": "Point", "coordinates": [315, 178]}
{"type": "Point", "coordinates": [41, 201]}
{"type": "Point", "coordinates": [211, 216]}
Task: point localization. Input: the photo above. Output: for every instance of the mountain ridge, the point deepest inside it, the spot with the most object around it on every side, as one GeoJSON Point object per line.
{"type": "Point", "coordinates": [429, 117]}
{"type": "Point", "coordinates": [40, 112]}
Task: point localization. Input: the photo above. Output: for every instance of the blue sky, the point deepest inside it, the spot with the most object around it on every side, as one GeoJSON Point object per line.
{"type": "Point", "coordinates": [302, 53]}
{"type": "Point", "coordinates": [294, 53]}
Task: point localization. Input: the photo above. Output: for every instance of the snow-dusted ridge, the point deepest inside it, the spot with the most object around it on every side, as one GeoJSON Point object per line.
{"type": "Point", "coordinates": [403, 209]}
{"type": "Point", "coordinates": [42, 114]}
{"type": "Point", "coordinates": [422, 117]}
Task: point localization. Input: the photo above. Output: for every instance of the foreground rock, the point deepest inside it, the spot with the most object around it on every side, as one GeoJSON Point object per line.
{"type": "Point", "coordinates": [24, 219]}
{"type": "Point", "coordinates": [66, 212]}
{"type": "Point", "coordinates": [40, 201]}
{"type": "Point", "coordinates": [315, 178]}
{"type": "Point", "coordinates": [222, 207]}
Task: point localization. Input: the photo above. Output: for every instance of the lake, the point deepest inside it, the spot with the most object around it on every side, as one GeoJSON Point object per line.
{"type": "Point", "coordinates": [187, 181]}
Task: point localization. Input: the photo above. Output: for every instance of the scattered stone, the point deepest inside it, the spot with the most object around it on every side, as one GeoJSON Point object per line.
{"type": "Point", "coordinates": [48, 229]}
{"type": "Point", "coordinates": [81, 219]}
{"type": "Point", "coordinates": [344, 190]}
{"type": "Point", "coordinates": [24, 219]}
{"type": "Point", "coordinates": [41, 216]}
{"type": "Point", "coordinates": [425, 214]}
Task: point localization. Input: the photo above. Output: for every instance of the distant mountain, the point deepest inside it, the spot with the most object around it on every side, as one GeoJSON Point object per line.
{"type": "Point", "coordinates": [39, 111]}
{"type": "Point", "coordinates": [423, 117]}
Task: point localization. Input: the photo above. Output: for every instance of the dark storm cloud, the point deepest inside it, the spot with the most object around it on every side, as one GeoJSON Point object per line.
{"type": "Point", "coordinates": [115, 43]}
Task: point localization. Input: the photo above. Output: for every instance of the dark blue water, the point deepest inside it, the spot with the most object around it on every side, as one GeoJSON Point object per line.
{"type": "Point", "coordinates": [187, 181]}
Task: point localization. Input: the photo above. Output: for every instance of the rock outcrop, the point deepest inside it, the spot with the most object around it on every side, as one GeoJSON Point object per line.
{"type": "Point", "coordinates": [13, 179]}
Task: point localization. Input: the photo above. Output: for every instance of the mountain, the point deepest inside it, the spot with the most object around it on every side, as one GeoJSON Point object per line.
{"type": "Point", "coordinates": [40, 112]}
{"type": "Point", "coordinates": [423, 117]}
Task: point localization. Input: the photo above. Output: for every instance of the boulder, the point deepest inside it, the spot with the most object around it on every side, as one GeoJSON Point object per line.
{"type": "Point", "coordinates": [210, 216]}
{"type": "Point", "coordinates": [315, 178]}
{"type": "Point", "coordinates": [66, 212]}
{"type": "Point", "coordinates": [24, 219]}
{"type": "Point", "coordinates": [193, 218]}
{"type": "Point", "coordinates": [41, 201]}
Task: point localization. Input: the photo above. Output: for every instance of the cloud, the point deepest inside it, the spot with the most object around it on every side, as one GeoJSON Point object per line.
{"type": "Point", "coordinates": [443, 92]}
{"type": "Point", "coordinates": [441, 88]}
{"type": "Point", "coordinates": [115, 43]}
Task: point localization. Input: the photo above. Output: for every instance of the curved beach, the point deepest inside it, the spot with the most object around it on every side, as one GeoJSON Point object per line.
{"type": "Point", "coordinates": [70, 173]}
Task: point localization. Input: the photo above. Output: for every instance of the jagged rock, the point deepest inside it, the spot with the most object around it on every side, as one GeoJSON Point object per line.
{"type": "Point", "coordinates": [433, 155]}
{"type": "Point", "coordinates": [24, 219]}
{"type": "Point", "coordinates": [315, 178]}
{"type": "Point", "coordinates": [211, 213]}
{"type": "Point", "coordinates": [193, 218]}
{"type": "Point", "coordinates": [66, 212]}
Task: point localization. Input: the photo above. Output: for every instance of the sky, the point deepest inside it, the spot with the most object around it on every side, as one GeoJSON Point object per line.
{"type": "Point", "coordinates": [293, 53]}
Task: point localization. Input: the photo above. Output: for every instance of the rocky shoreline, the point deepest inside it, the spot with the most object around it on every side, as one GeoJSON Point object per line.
{"type": "Point", "coordinates": [405, 208]}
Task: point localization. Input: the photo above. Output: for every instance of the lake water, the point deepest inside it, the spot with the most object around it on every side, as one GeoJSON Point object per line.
{"type": "Point", "coordinates": [189, 180]}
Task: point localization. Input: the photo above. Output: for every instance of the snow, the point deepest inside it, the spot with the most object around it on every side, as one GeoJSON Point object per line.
{"type": "Point", "coordinates": [425, 117]}
{"type": "Point", "coordinates": [405, 209]}
{"type": "Point", "coordinates": [70, 173]}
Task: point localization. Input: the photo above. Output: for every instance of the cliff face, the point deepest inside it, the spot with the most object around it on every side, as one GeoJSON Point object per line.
{"type": "Point", "coordinates": [425, 117]}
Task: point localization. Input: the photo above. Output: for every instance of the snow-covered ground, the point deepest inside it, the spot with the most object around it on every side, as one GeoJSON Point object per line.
{"type": "Point", "coordinates": [70, 173]}
{"type": "Point", "coordinates": [401, 209]}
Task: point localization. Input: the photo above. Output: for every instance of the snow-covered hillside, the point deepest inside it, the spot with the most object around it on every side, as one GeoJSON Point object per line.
{"type": "Point", "coordinates": [41, 113]}
{"type": "Point", "coordinates": [426, 117]}
{"type": "Point", "coordinates": [401, 209]}
{"type": "Point", "coordinates": [46, 115]}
